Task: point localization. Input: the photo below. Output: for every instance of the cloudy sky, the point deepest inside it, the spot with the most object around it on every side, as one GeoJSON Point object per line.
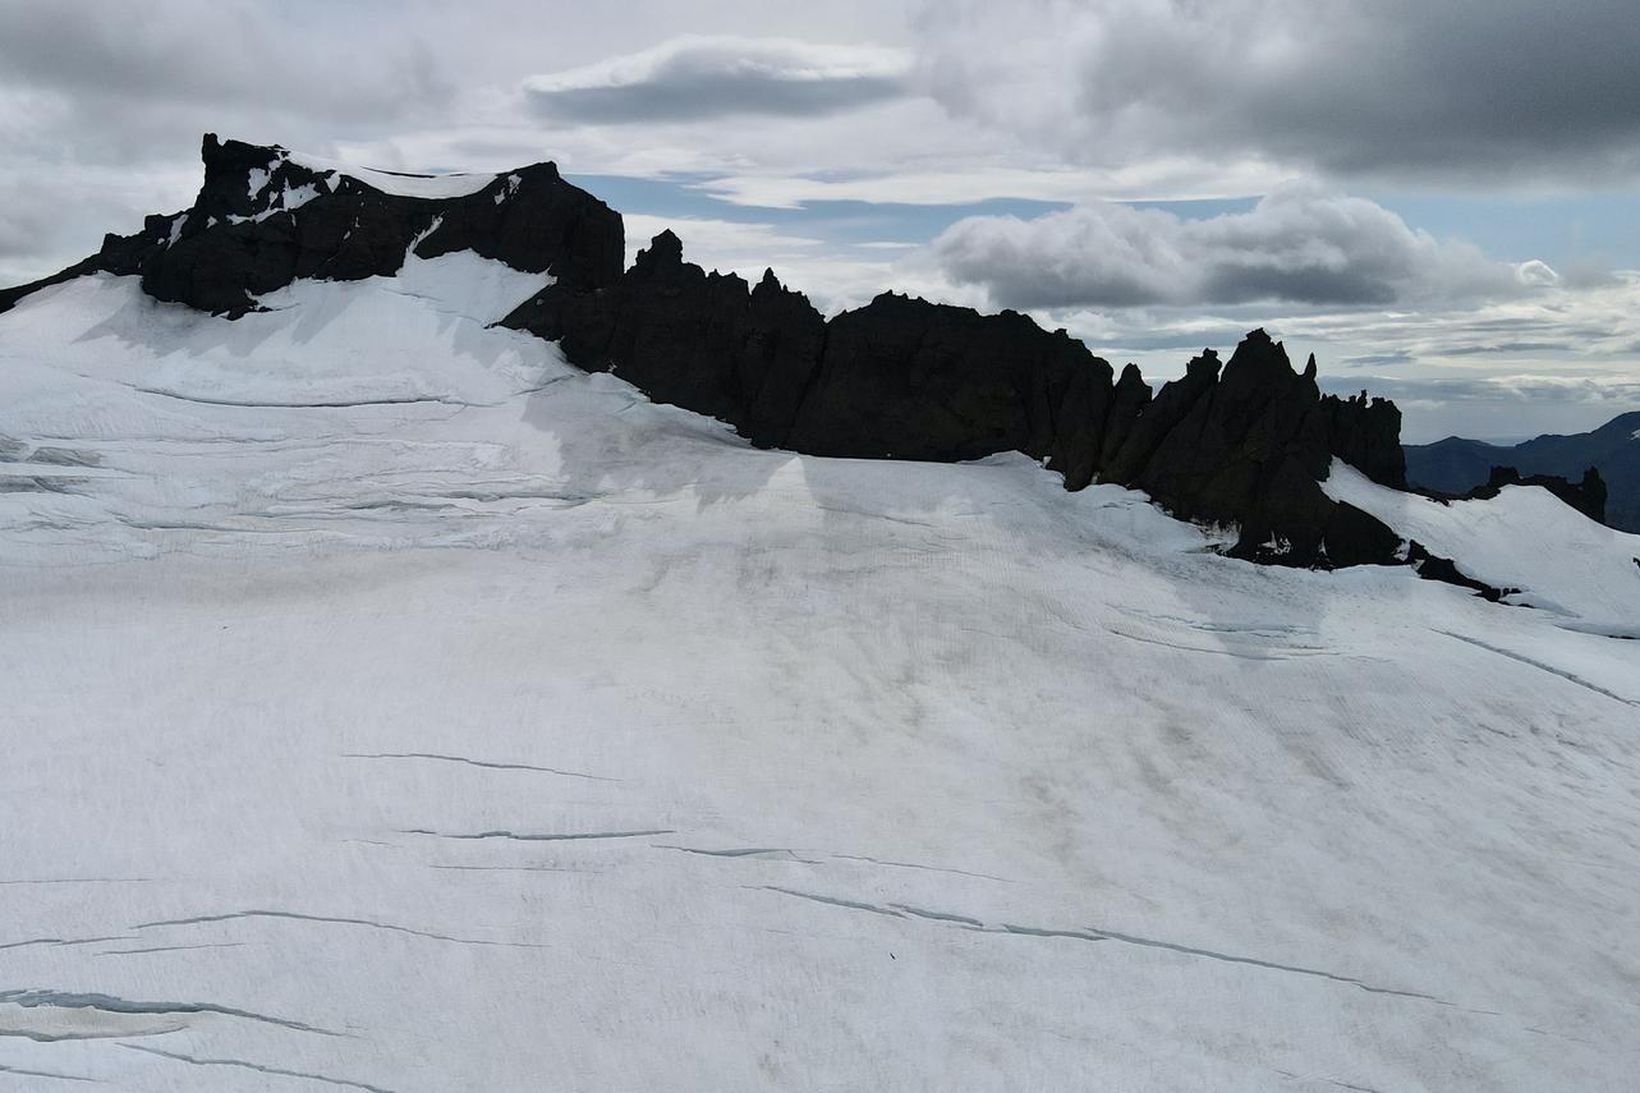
{"type": "Point", "coordinates": [1440, 198]}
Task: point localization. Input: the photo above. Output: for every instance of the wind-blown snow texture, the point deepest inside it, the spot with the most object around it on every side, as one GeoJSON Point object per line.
{"type": "Point", "coordinates": [391, 706]}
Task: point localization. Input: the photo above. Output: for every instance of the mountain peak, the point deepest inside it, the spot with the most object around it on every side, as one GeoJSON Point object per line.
{"type": "Point", "coordinates": [665, 251]}
{"type": "Point", "coordinates": [266, 216]}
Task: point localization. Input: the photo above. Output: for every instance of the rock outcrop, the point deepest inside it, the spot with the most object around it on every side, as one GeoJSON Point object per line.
{"type": "Point", "coordinates": [1366, 433]}
{"type": "Point", "coordinates": [1246, 443]}
{"type": "Point", "coordinates": [263, 219]}
{"type": "Point", "coordinates": [693, 339]}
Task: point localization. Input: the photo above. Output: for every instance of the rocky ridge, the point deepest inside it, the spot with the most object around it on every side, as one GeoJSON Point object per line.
{"type": "Point", "coordinates": [1244, 442]}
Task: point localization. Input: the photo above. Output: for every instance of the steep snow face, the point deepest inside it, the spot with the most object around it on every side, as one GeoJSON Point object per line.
{"type": "Point", "coordinates": [390, 705]}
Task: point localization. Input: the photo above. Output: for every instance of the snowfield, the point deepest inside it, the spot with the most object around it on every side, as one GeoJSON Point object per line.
{"type": "Point", "coordinates": [390, 706]}
{"type": "Point", "coordinates": [1563, 563]}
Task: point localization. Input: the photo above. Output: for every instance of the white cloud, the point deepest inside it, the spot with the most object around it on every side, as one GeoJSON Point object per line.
{"type": "Point", "coordinates": [701, 76]}
{"type": "Point", "coordinates": [1299, 244]}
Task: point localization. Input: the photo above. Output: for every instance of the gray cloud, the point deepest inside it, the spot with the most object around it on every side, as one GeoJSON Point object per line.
{"type": "Point", "coordinates": [102, 103]}
{"type": "Point", "coordinates": [1476, 90]}
{"type": "Point", "coordinates": [212, 54]}
{"type": "Point", "coordinates": [24, 227]}
{"type": "Point", "coordinates": [1378, 360]}
{"type": "Point", "coordinates": [1299, 244]}
{"type": "Point", "coordinates": [695, 76]}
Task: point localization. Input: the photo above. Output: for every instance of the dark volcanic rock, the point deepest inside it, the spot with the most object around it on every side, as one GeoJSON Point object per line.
{"type": "Point", "coordinates": [1433, 567]}
{"type": "Point", "coordinates": [1159, 417]}
{"type": "Point", "coordinates": [907, 379]}
{"type": "Point", "coordinates": [1245, 443]}
{"type": "Point", "coordinates": [262, 220]}
{"type": "Point", "coordinates": [903, 378]}
{"type": "Point", "coordinates": [898, 378]}
{"type": "Point", "coordinates": [1366, 434]}
{"type": "Point", "coordinates": [1249, 446]}
{"type": "Point", "coordinates": [693, 339]}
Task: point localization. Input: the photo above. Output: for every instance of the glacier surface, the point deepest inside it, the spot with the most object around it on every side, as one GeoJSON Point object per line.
{"type": "Point", "coordinates": [390, 706]}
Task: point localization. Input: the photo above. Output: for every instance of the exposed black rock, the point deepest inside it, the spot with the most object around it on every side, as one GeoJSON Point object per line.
{"type": "Point", "coordinates": [902, 378]}
{"type": "Point", "coordinates": [1249, 445]}
{"type": "Point", "coordinates": [1246, 443]}
{"type": "Point", "coordinates": [262, 220]}
{"type": "Point", "coordinates": [1128, 402]}
{"type": "Point", "coordinates": [1432, 567]}
{"type": "Point", "coordinates": [899, 378]}
{"type": "Point", "coordinates": [1587, 495]}
{"type": "Point", "coordinates": [693, 339]}
{"type": "Point", "coordinates": [906, 379]}
{"type": "Point", "coordinates": [1366, 434]}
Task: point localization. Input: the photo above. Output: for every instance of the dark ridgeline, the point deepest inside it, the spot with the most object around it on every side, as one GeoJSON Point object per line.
{"type": "Point", "coordinates": [1244, 442]}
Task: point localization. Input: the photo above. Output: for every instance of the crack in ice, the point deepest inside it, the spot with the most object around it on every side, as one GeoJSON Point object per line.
{"type": "Point", "coordinates": [1542, 667]}
{"type": "Point", "coordinates": [914, 865]}
{"type": "Point", "coordinates": [258, 1067]}
{"type": "Point", "coordinates": [339, 404]}
{"type": "Point", "coordinates": [107, 1003]}
{"type": "Point", "coordinates": [741, 852]}
{"type": "Point", "coordinates": [63, 941]}
{"type": "Point", "coordinates": [832, 901]}
{"type": "Point", "coordinates": [547, 837]}
{"type": "Point", "coordinates": [25, 1072]}
{"type": "Point", "coordinates": [173, 948]}
{"type": "Point", "coordinates": [900, 910]}
{"type": "Point", "coordinates": [1039, 931]}
{"type": "Point", "coordinates": [939, 916]}
{"type": "Point", "coordinates": [486, 764]}
{"type": "Point", "coordinates": [336, 920]}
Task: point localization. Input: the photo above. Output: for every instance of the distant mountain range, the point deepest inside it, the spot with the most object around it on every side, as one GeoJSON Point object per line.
{"type": "Point", "coordinates": [1456, 465]}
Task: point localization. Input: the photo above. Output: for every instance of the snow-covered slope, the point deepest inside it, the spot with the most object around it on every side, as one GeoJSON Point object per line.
{"type": "Point", "coordinates": [1525, 538]}
{"type": "Point", "coordinates": [454, 184]}
{"type": "Point", "coordinates": [390, 706]}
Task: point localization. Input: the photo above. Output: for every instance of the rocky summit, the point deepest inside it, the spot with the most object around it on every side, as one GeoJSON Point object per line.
{"type": "Point", "coordinates": [1243, 443]}
{"type": "Point", "coordinates": [265, 217]}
